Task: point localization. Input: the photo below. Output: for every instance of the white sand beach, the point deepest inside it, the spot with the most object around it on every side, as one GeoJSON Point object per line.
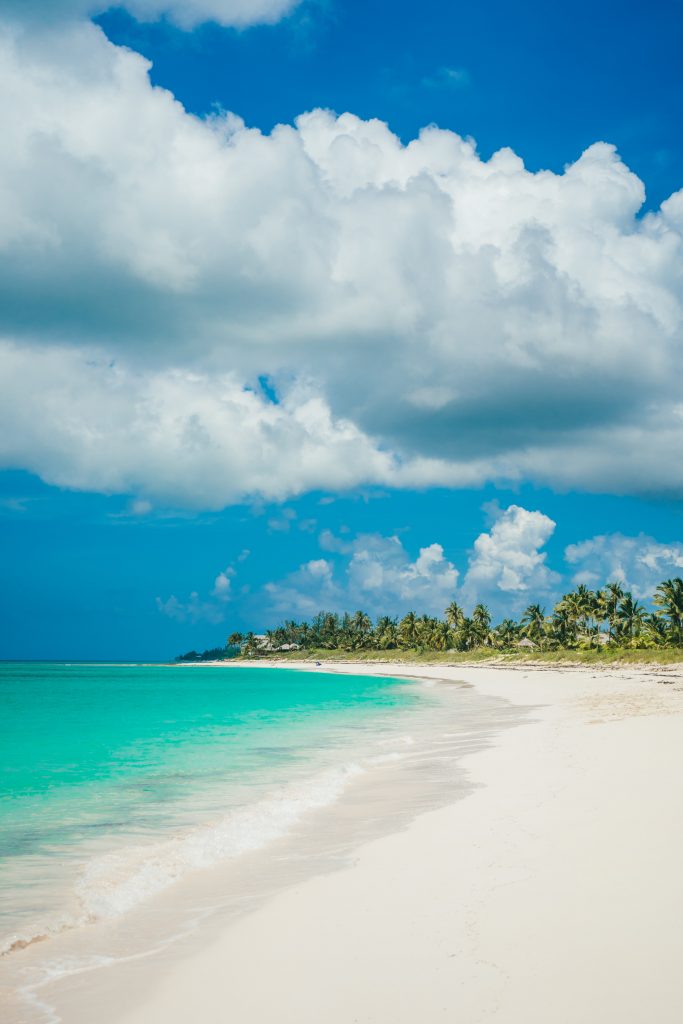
{"type": "Point", "coordinates": [551, 893]}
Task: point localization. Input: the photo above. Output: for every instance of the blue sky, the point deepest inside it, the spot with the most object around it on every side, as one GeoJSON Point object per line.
{"type": "Point", "coordinates": [547, 80]}
{"type": "Point", "coordinates": [249, 373]}
{"type": "Point", "coordinates": [81, 575]}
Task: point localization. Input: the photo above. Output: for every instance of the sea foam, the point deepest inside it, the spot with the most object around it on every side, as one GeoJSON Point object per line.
{"type": "Point", "coordinates": [117, 882]}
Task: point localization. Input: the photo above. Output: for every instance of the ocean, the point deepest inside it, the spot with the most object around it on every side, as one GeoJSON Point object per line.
{"type": "Point", "coordinates": [119, 782]}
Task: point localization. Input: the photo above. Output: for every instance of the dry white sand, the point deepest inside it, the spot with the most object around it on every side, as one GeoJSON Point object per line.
{"type": "Point", "coordinates": [552, 893]}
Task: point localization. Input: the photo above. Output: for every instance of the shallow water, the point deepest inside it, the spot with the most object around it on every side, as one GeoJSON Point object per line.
{"type": "Point", "coordinates": [138, 802]}
{"type": "Point", "coordinates": [102, 763]}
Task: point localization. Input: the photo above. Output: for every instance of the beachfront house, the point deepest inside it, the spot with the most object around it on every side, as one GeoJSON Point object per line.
{"type": "Point", "coordinates": [264, 643]}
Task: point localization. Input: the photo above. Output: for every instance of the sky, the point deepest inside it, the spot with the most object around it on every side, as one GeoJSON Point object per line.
{"type": "Point", "coordinates": [332, 305]}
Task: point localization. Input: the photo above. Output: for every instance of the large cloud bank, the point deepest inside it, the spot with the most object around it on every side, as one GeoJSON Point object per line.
{"type": "Point", "coordinates": [188, 438]}
{"type": "Point", "coordinates": [447, 320]}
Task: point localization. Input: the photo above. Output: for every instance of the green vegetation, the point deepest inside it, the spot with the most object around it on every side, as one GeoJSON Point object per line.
{"type": "Point", "coordinates": [593, 626]}
{"type": "Point", "coordinates": [486, 655]}
{"type": "Point", "coordinates": [213, 654]}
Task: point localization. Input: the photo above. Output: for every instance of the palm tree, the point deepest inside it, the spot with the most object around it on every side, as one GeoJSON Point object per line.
{"type": "Point", "coordinates": [344, 633]}
{"type": "Point", "coordinates": [386, 633]}
{"type": "Point", "coordinates": [655, 630]}
{"type": "Point", "coordinates": [407, 630]}
{"type": "Point", "coordinates": [506, 633]}
{"type": "Point", "coordinates": [425, 630]}
{"type": "Point", "coordinates": [291, 631]}
{"type": "Point", "coordinates": [251, 645]}
{"type": "Point", "coordinates": [613, 594]}
{"type": "Point", "coordinates": [669, 603]}
{"type": "Point", "coordinates": [454, 615]}
{"type": "Point", "coordinates": [632, 615]}
{"type": "Point", "coordinates": [578, 616]}
{"type": "Point", "coordinates": [533, 623]}
{"type": "Point", "coordinates": [466, 636]}
{"type": "Point", "coordinates": [481, 623]}
{"type": "Point", "coordinates": [304, 635]}
{"type": "Point", "coordinates": [330, 629]}
{"type": "Point", "coordinates": [361, 626]}
{"type": "Point", "coordinates": [442, 636]}
{"type": "Point", "coordinates": [586, 606]}
{"type": "Point", "coordinates": [316, 630]}
{"type": "Point", "coordinates": [278, 637]}
{"type": "Point", "coordinates": [599, 612]}
{"type": "Point", "coordinates": [563, 624]}
{"type": "Point", "coordinates": [568, 608]}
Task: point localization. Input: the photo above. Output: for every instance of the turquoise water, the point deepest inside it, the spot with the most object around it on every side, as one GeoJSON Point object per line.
{"type": "Point", "coordinates": [116, 779]}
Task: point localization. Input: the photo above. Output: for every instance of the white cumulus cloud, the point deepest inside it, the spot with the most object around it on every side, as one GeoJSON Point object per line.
{"type": "Point", "coordinates": [196, 608]}
{"type": "Point", "coordinates": [638, 563]}
{"type": "Point", "coordinates": [376, 575]}
{"type": "Point", "coordinates": [507, 566]}
{"type": "Point", "coordinates": [185, 13]}
{"type": "Point", "coordinates": [187, 438]}
{"type": "Point", "coordinates": [193, 610]}
{"type": "Point", "coordinates": [305, 592]}
{"type": "Point", "coordinates": [506, 569]}
{"type": "Point", "coordinates": [222, 586]}
{"type": "Point", "coordinates": [381, 576]}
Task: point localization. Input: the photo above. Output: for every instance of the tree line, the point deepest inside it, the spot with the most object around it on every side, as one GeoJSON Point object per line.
{"type": "Point", "coordinates": [582, 618]}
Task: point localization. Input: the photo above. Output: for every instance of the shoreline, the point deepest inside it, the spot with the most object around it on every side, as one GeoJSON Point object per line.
{"type": "Point", "coordinates": [549, 892]}
{"type": "Point", "coordinates": [608, 656]}
{"type": "Point", "coordinates": [499, 662]}
{"type": "Point", "coordinates": [307, 822]}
